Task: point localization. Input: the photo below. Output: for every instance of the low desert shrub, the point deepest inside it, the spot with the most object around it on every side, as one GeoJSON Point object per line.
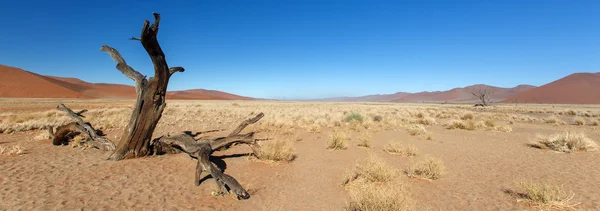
{"type": "Point", "coordinates": [565, 142]}
{"type": "Point", "coordinates": [396, 148]}
{"type": "Point", "coordinates": [427, 168]}
{"type": "Point", "coordinates": [337, 140]}
{"type": "Point", "coordinates": [414, 130]}
{"type": "Point", "coordinates": [504, 128]}
{"type": "Point", "coordinates": [364, 140]}
{"type": "Point", "coordinates": [278, 150]}
{"type": "Point", "coordinates": [463, 125]}
{"type": "Point", "coordinates": [384, 197]}
{"type": "Point", "coordinates": [13, 150]}
{"type": "Point", "coordinates": [426, 121]}
{"type": "Point", "coordinates": [490, 123]}
{"type": "Point", "coordinates": [554, 120]}
{"type": "Point", "coordinates": [371, 170]}
{"type": "Point", "coordinates": [579, 121]}
{"type": "Point", "coordinates": [544, 195]}
{"type": "Point", "coordinates": [467, 116]}
{"type": "Point", "coordinates": [353, 117]}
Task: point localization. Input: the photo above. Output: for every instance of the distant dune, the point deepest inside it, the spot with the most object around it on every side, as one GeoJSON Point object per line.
{"type": "Point", "coordinates": [462, 94]}
{"type": "Point", "coordinates": [18, 83]}
{"type": "Point", "coordinates": [368, 98]}
{"type": "Point", "coordinates": [577, 88]}
{"type": "Point", "coordinates": [453, 95]}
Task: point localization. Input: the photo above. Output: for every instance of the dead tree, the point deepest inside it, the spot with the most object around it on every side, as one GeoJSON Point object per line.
{"type": "Point", "coordinates": [150, 94]}
{"type": "Point", "coordinates": [150, 102]}
{"type": "Point", "coordinates": [202, 149]}
{"type": "Point", "coordinates": [483, 93]}
{"type": "Point", "coordinates": [66, 132]}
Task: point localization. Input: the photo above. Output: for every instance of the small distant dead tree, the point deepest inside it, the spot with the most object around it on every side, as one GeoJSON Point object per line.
{"type": "Point", "coordinates": [483, 93]}
{"type": "Point", "coordinates": [136, 140]}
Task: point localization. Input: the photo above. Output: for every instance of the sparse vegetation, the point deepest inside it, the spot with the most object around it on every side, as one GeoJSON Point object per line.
{"type": "Point", "coordinates": [426, 121]}
{"type": "Point", "coordinates": [371, 170]}
{"type": "Point", "coordinates": [277, 150]}
{"type": "Point", "coordinates": [380, 197]}
{"type": "Point", "coordinates": [490, 123]}
{"type": "Point", "coordinates": [504, 128]}
{"type": "Point", "coordinates": [565, 142]}
{"type": "Point", "coordinates": [427, 168]}
{"type": "Point", "coordinates": [12, 150]}
{"type": "Point", "coordinates": [394, 147]}
{"type": "Point", "coordinates": [354, 117]}
{"type": "Point", "coordinates": [337, 140]}
{"type": "Point", "coordinates": [544, 195]}
{"type": "Point", "coordinates": [463, 125]}
{"type": "Point", "coordinates": [414, 130]}
{"type": "Point", "coordinates": [579, 121]}
{"type": "Point", "coordinates": [467, 116]}
{"type": "Point", "coordinates": [554, 120]}
{"type": "Point", "coordinates": [364, 140]}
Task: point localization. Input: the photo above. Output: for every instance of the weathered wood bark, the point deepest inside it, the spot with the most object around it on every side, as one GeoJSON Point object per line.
{"type": "Point", "coordinates": [150, 94]}
{"type": "Point", "coordinates": [201, 150]}
{"type": "Point", "coordinates": [66, 132]}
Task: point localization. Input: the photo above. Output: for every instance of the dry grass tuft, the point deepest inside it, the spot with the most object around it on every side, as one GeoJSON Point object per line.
{"type": "Point", "coordinates": [463, 125]}
{"type": "Point", "coordinates": [279, 150]}
{"type": "Point", "coordinates": [396, 148]}
{"type": "Point", "coordinates": [579, 121]}
{"type": "Point", "coordinates": [371, 170]}
{"type": "Point", "coordinates": [364, 140]}
{"type": "Point", "coordinates": [429, 137]}
{"type": "Point", "coordinates": [338, 140]}
{"type": "Point", "coordinates": [43, 135]}
{"type": "Point", "coordinates": [554, 120]}
{"type": "Point", "coordinates": [565, 142]}
{"type": "Point", "coordinates": [467, 116]}
{"type": "Point", "coordinates": [426, 121]}
{"type": "Point", "coordinates": [427, 168]}
{"type": "Point", "coordinates": [414, 130]}
{"type": "Point", "coordinates": [504, 128]}
{"type": "Point", "coordinates": [489, 123]}
{"type": "Point", "coordinates": [545, 196]}
{"type": "Point", "coordinates": [384, 197]}
{"type": "Point", "coordinates": [13, 150]}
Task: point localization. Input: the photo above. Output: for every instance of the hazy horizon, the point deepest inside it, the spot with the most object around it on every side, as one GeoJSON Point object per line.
{"type": "Point", "coordinates": [311, 49]}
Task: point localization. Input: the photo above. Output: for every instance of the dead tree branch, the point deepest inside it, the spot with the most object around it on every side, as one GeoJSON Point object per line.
{"type": "Point", "coordinates": [201, 150]}
{"type": "Point", "coordinates": [65, 132]}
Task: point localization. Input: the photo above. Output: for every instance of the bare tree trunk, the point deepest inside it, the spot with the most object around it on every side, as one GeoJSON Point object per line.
{"type": "Point", "coordinates": [150, 94]}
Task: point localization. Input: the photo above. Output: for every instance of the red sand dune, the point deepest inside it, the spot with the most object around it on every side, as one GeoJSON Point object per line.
{"type": "Point", "coordinates": [18, 83]}
{"type": "Point", "coordinates": [577, 88]}
{"type": "Point", "coordinates": [453, 95]}
{"type": "Point", "coordinates": [368, 98]}
{"type": "Point", "coordinates": [462, 94]}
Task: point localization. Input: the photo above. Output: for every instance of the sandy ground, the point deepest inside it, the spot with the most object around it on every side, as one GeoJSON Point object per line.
{"type": "Point", "coordinates": [479, 165]}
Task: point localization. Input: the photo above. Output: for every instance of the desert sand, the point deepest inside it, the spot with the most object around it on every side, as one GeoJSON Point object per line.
{"type": "Point", "coordinates": [480, 164]}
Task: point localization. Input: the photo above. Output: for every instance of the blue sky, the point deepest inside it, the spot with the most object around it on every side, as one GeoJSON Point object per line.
{"type": "Point", "coordinates": [311, 49]}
